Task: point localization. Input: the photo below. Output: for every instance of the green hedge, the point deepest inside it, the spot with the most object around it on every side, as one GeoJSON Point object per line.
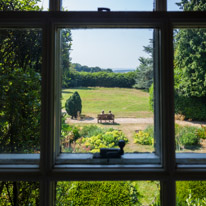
{"type": "Point", "coordinates": [101, 79]}
{"type": "Point", "coordinates": [190, 107]}
{"type": "Point", "coordinates": [96, 193]}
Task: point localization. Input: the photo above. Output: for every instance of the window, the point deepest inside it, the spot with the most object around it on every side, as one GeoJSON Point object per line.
{"type": "Point", "coordinates": [48, 167]}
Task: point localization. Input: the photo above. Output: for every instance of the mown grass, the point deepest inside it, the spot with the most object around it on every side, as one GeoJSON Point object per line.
{"type": "Point", "coordinates": [122, 102]}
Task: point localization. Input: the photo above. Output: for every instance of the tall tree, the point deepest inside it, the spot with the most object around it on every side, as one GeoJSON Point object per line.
{"type": "Point", "coordinates": [144, 73]}
{"type": "Point", "coordinates": [190, 55]}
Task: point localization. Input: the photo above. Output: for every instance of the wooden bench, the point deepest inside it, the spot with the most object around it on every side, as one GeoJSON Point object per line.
{"type": "Point", "coordinates": [105, 117]}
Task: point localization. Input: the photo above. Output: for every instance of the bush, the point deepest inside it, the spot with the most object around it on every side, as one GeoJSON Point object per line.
{"type": "Point", "coordinates": [186, 188]}
{"type": "Point", "coordinates": [186, 136]}
{"type": "Point", "coordinates": [92, 144]}
{"type": "Point", "coordinates": [73, 105]}
{"type": "Point", "coordinates": [97, 193]}
{"type": "Point", "coordinates": [143, 138]}
{"type": "Point", "coordinates": [201, 132]}
{"type": "Point", "coordinates": [93, 130]}
{"type": "Point", "coordinates": [69, 134]}
{"type": "Point", "coordinates": [191, 107]}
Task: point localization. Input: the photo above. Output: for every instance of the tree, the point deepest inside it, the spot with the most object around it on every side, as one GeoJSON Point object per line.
{"type": "Point", "coordinates": [144, 73]}
{"type": "Point", "coordinates": [190, 66]}
{"type": "Point", "coordinates": [66, 42]}
{"type": "Point", "coordinates": [73, 105]}
{"type": "Point", "coordinates": [190, 54]}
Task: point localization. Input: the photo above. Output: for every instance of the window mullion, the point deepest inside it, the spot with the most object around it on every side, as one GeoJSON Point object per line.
{"type": "Point", "coordinates": [47, 136]}
{"type": "Point", "coordinates": [160, 5]}
{"type": "Point", "coordinates": [167, 99]}
{"type": "Point", "coordinates": [55, 5]}
{"type": "Point", "coordinates": [168, 192]}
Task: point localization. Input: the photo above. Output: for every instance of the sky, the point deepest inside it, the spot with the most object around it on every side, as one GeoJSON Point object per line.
{"type": "Point", "coordinates": [110, 48]}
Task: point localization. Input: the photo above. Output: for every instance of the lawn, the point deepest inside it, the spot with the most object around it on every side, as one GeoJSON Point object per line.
{"type": "Point", "coordinates": [122, 102]}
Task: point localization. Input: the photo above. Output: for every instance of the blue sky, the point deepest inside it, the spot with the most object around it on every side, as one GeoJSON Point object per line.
{"type": "Point", "coordinates": [110, 48]}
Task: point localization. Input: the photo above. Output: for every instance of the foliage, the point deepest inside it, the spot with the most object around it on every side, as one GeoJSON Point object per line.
{"type": "Point", "coordinates": [191, 107]}
{"type": "Point", "coordinates": [190, 52]}
{"type": "Point", "coordinates": [18, 5]}
{"type": "Point", "coordinates": [186, 136]}
{"type": "Point", "coordinates": [92, 144]}
{"type": "Point", "coordinates": [101, 79]}
{"type": "Point", "coordinates": [143, 138]}
{"type": "Point", "coordinates": [93, 130]}
{"type": "Point", "coordinates": [20, 110]}
{"type": "Point", "coordinates": [151, 97]}
{"type": "Point", "coordinates": [201, 132]}
{"type": "Point", "coordinates": [80, 68]}
{"type": "Point", "coordinates": [20, 87]}
{"type": "Point", "coordinates": [66, 40]}
{"type": "Point", "coordinates": [192, 5]}
{"type": "Point", "coordinates": [185, 189]}
{"type": "Point", "coordinates": [144, 73]}
{"type": "Point", "coordinates": [96, 193]}
{"type": "Point", "coordinates": [19, 193]}
{"type": "Point", "coordinates": [69, 134]}
{"type": "Point", "coordinates": [73, 105]}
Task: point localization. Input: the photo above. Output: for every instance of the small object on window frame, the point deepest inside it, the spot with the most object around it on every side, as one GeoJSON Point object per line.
{"type": "Point", "coordinates": [103, 9]}
{"type": "Point", "coordinates": [111, 152]}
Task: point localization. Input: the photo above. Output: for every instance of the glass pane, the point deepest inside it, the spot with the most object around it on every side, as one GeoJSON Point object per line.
{"type": "Point", "coordinates": [106, 78]}
{"type": "Point", "coordinates": [190, 90]}
{"type": "Point", "coordinates": [43, 4]}
{"type": "Point", "coordinates": [190, 193]}
{"type": "Point", "coordinates": [19, 193]}
{"type": "Point", "coordinates": [114, 5]}
{"type": "Point", "coordinates": [108, 193]}
{"type": "Point", "coordinates": [20, 88]}
{"type": "Point", "coordinates": [180, 5]}
{"type": "Point", "coordinates": [17, 5]}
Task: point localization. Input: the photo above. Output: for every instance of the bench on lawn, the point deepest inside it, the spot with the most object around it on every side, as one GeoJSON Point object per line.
{"type": "Point", "coordinates": [105, 117]}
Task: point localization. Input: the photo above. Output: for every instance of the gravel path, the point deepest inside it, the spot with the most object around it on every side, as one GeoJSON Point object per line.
{"type": "Point", "coordinates": [133, 120]}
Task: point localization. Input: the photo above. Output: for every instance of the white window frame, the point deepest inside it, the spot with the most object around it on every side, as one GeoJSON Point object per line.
{"type": "Point", "coordinates": [47, 173]}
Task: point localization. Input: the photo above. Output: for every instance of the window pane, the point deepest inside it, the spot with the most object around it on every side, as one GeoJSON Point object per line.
{"type": "Point", "coordinates": [107, 71]}
{"type": "Point", "coordinates": [108, 193]}
{"type": "Point", "coordinates": [17, 5]}
{"type": "Point", "coordinates": [19, 193]}
{"type": "Point", "coordinates": [114, 5]}
{"type": "Point", "coordinates": [190, 193]}
{"type": "Point", "coordinates": [190, 90]}
{"type": "Point", "coordinates": [20, 83]}
{"type": "Point", "coordinates": [177, 5]}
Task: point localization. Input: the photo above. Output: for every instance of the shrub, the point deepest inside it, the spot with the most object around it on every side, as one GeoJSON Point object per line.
{"type": "Point", "coordinates": [92, 144]}
{"type": "Point", "coordinates": [191, 107]}
{"type": "Point", "coordinates": [69, 133]}
{"type": "Point", "coordinates": [97, 193]}
{"type": "Point", "coordinates": [93, 130]}
{"type": "Point", "coordinates": [186, 136]}
{"type": "Point", "coordinates": [143, 138]}
{"type": "Point", "coordinates": [186, 188]}
{"type": "Point", "coordinates": [73, 105]}
{"type": "Point", "coordinates": [201, 132]}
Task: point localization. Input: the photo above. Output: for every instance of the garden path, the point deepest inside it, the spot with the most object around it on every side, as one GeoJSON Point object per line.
{"type": "Point", "coordinates": [148, 120]}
